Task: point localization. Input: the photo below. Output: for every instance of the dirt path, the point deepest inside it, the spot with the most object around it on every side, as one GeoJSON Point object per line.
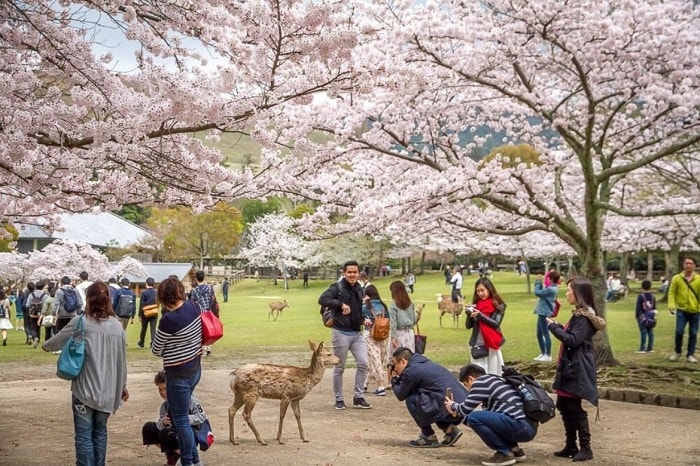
{"type": "Point", "coordinates": [627, 434]}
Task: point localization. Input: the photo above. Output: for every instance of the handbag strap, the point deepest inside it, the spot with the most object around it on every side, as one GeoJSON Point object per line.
{"type": "Point", "coordinates": [417, 329]}
{"type": "Point", "coordinates": [691, 289]}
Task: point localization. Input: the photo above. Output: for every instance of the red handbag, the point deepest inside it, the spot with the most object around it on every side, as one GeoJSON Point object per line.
{"type": "Point", "coordinates": [212, 328]}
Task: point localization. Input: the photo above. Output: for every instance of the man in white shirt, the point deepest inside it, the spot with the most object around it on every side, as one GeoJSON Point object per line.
{"type": "Point", "coordinates": [456, 284]}
{"type": "Point", "coordinates": [82, 287]}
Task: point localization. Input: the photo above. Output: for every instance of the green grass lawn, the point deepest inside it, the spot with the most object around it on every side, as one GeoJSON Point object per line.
{"type": "Point", "coordinates": [248, 331]}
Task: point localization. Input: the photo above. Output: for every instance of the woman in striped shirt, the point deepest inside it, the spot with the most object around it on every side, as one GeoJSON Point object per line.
{"type": "Point", "coordinates": [179, 342]}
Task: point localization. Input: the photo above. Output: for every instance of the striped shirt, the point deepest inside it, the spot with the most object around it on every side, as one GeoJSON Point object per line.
{"type": "Point", "coordinates": [178, 339]}
{"type": "Point", "coordinates": [495, 394]}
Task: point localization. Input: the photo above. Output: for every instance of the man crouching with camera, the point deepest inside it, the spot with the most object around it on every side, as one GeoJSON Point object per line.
{"type": "Point", "coordinates": [424, 385]}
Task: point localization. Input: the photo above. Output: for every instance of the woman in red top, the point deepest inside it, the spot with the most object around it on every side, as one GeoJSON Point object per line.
{"type": "Point", "coordinates": [484, 317]}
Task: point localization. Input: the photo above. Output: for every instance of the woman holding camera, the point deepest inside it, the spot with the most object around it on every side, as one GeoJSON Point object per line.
{"type": "Point", "coordinates": [484, 318]}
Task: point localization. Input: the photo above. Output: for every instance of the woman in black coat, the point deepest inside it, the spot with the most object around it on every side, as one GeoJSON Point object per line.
{"type": "Point", "coordinates": [576, 369]}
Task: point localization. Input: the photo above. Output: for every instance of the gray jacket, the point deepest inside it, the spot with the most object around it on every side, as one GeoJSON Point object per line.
{"type": "Point", "coordinates": [101, 382]}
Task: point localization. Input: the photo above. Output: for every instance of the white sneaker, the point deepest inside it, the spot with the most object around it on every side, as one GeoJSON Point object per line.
{"type": "Point", "coordinates": [675, 357]}
{"type": "Point", "coordinates": [538, 358]}
{"type": "Point", "coordinates": [546, 358]}
{"type": "Point", "coordinates": [691, 358]}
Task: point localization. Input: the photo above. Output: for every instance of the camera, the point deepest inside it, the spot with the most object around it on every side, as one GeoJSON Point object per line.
{"type": "Point", "coordinates": [390, 366]}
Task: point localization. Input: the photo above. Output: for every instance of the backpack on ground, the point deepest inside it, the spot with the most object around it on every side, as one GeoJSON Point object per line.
{"type": "Point", "coordinates": [36, 305]}
{"type": "Point", "coordinates": [124, 305]}
{"type": "Point", "coordinates": [70, 300]}
{"type": "Point", "coordinates": [538, 406]}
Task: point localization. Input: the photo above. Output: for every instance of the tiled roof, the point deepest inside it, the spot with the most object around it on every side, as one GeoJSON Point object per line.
{"type": "Point", "coordinates": [96, 229]}
{"type": "Point", "coordinates": [159, 271]}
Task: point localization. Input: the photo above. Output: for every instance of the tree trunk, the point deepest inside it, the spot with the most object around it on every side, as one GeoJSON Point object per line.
{"type": "Point", "coordinates": [624, 268]}
{"type": "Point", "coordinates": [422, 262]}
{"type": "Point", "coordinates": [592, 268]}
{"type": "Point", "coordinates": [672, 261]}
{"type": "Point", "coordinates": [650, 266]}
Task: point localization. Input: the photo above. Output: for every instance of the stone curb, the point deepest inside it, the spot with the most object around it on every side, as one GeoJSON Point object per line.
{"type": "Point", "coordinates": [645, 398]}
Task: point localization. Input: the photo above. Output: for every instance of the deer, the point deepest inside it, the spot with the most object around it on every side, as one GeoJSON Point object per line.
{"type": "Point", "coordinates": [277, 306]}
{"type": "Point", "coordinates": [446, 306]}
{"type": "Point", "coordinates": [289, 384]}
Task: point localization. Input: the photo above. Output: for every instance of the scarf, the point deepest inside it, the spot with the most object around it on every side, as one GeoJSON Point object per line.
{"type": "Point", "coordinates": [492, 336]}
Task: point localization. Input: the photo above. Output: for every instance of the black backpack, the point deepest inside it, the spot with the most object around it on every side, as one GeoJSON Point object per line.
{"type": "Point", "coordinates": [538, 406]}
{"type": "Point", "coordinates": [70, 301]}
{"type": "Point", "coordinates": [124, 305]}
{"type": "Point", "coordinates": [36, 304]}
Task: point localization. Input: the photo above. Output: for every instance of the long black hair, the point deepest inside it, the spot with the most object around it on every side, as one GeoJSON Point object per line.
{"type": "Point", "coordinates": [488, 284]}
{"type": "Point", "coordinates": [372, 293]}
{"type": "Point", "coordinates": [583, 292]}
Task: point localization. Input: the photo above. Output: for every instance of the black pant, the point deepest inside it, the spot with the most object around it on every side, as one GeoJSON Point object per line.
{"type": "Point", "coordinates": [166, 438]}
{"type": "Point", "coordinates": [48, 332]}
{"type": "Point", "coordinates": [147, 322]}
{"type": "Point", "coordinates": [61, 322]}
{"type": "Point", "coordinates": [34, 330]}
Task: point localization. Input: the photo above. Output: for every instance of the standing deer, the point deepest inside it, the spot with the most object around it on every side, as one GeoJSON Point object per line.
{"type": "Point", "coordinates": [276, 306]}
{"type": "Point", "coordinates": [288, 384]}
{"type": "Point", "coordinates": [446, 306]}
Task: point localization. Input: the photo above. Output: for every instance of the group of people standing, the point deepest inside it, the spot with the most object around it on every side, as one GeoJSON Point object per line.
{"type": "Point", "coordinates": [356, 303]}
{"type": "Point", "coordinates": [101, 387]}
{"type": "Point", "coordinates": [434, 396]}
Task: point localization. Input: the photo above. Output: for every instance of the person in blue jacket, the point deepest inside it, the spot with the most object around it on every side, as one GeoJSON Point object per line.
{"type": "Point", "coordinates": [423, 385]}
{"type": "Point", "coordinates": [545, 308]}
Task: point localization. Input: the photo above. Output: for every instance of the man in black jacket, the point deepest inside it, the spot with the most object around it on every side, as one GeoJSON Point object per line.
{"type": "Point", "coordinates": [424, 385]}
{"type": "Point", "coordinates": [344, 298]}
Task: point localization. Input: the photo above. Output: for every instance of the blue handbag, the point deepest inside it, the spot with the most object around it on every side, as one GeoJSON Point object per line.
{"type": "Point", "coordinates": [72, 357]}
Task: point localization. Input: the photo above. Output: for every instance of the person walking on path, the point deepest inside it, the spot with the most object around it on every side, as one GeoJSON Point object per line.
{"type": "Point", "coordinates": [684, 301]}
{"type": "Point", "coordinates": [100, 388]}
{"type": "Point", "coordinates": [148, 297]}
{"type": "Point", "coordinates": [575, 379]}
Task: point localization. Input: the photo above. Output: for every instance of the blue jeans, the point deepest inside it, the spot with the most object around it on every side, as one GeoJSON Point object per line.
{"type": "Point", "coordinates": [543, 337]}
{"type": "Point", "coordinates": [693, 320]}
{"type": "Point", "coordinates": [499, 431]}
{"type": "Point", "coordinates": [90, 434]}
{"type": "Point", "coordinates": [355, 343]}
{"type": "Point", "coordinates": [179, 388]}
{"type": "Point", "coordinates": [647, 337]}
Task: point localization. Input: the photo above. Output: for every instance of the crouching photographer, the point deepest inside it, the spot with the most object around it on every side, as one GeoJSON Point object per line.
{"type": "Point", "coordinates": [423, 385]}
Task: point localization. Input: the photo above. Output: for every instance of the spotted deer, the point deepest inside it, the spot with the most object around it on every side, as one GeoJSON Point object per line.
{"type": "Point", "coordinates": [289, 384]}
{"type": "Point", "coordinates": [446, 306]}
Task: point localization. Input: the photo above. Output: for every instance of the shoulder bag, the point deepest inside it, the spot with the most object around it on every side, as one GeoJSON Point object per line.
{"type": "Point", "coordinates": [212, 328]}
{"type": "Point", "coordinates": [420, 341]}
{"type": "Point", "coordinates": [150, 310]}
{"type": "Point", "coordinates": [72, 357]}
{"type": "Point", "coordinates": [381, 326]}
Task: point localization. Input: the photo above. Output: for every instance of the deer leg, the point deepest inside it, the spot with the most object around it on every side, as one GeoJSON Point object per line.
{"type": "Point", "coordinates": [277, 314]}
{"type": "Point", "coordinates": [441, 314]}
{"type": "Point", "coordinates": [297, 413]}
{"type": "Point", "coordinates": [235, 406]}
{"type": "Point", "coordinates": [284, 404]}
{"type": "Point", "coordinates": [270, 313]}
{"type": "Point", "coordinates": [247, 410]}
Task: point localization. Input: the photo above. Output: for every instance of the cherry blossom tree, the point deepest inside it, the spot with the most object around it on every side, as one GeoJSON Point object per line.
{"type": "Point", "coordinates": [69, 258]}
{"type": "Point", "coordinates": [77, 130]}
{"type": "Point", "coordinates": [273, 242]}
{"type": "Point", "coordinates": [129, 266]}
{"type": "Point", "coordinates": [605, 92]}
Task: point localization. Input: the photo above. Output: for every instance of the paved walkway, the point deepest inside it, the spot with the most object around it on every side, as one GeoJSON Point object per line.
{"type": "Point", "coordinates": [626, 434]}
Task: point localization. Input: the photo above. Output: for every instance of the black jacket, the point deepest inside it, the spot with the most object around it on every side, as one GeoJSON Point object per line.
{"type": "Point", "coordinates": [429, 380]}
{"type": "Point", "coordinates": [343, 293]}
{"type": "Point", "coordinates": [576, 368]}
{"type": "Point", "coordinates": [493, 321]}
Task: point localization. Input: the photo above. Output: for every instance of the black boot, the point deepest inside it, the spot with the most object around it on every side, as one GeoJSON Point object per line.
{"type": "Point", "coordinates": [570, 449]}
{"type": "Point", "coordinates": [584, 437]}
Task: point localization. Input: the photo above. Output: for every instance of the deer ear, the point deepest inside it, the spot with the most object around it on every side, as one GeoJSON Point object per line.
{"type": "Point", "coordinates": [312, 345]}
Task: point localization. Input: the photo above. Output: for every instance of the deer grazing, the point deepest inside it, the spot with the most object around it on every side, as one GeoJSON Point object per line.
{"type": "Point", "coordinates": [446, 306]}
{"type": "Point", "coordinates": [288, 384]}
{"type": "Point", "coordinates": [277, 306]}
